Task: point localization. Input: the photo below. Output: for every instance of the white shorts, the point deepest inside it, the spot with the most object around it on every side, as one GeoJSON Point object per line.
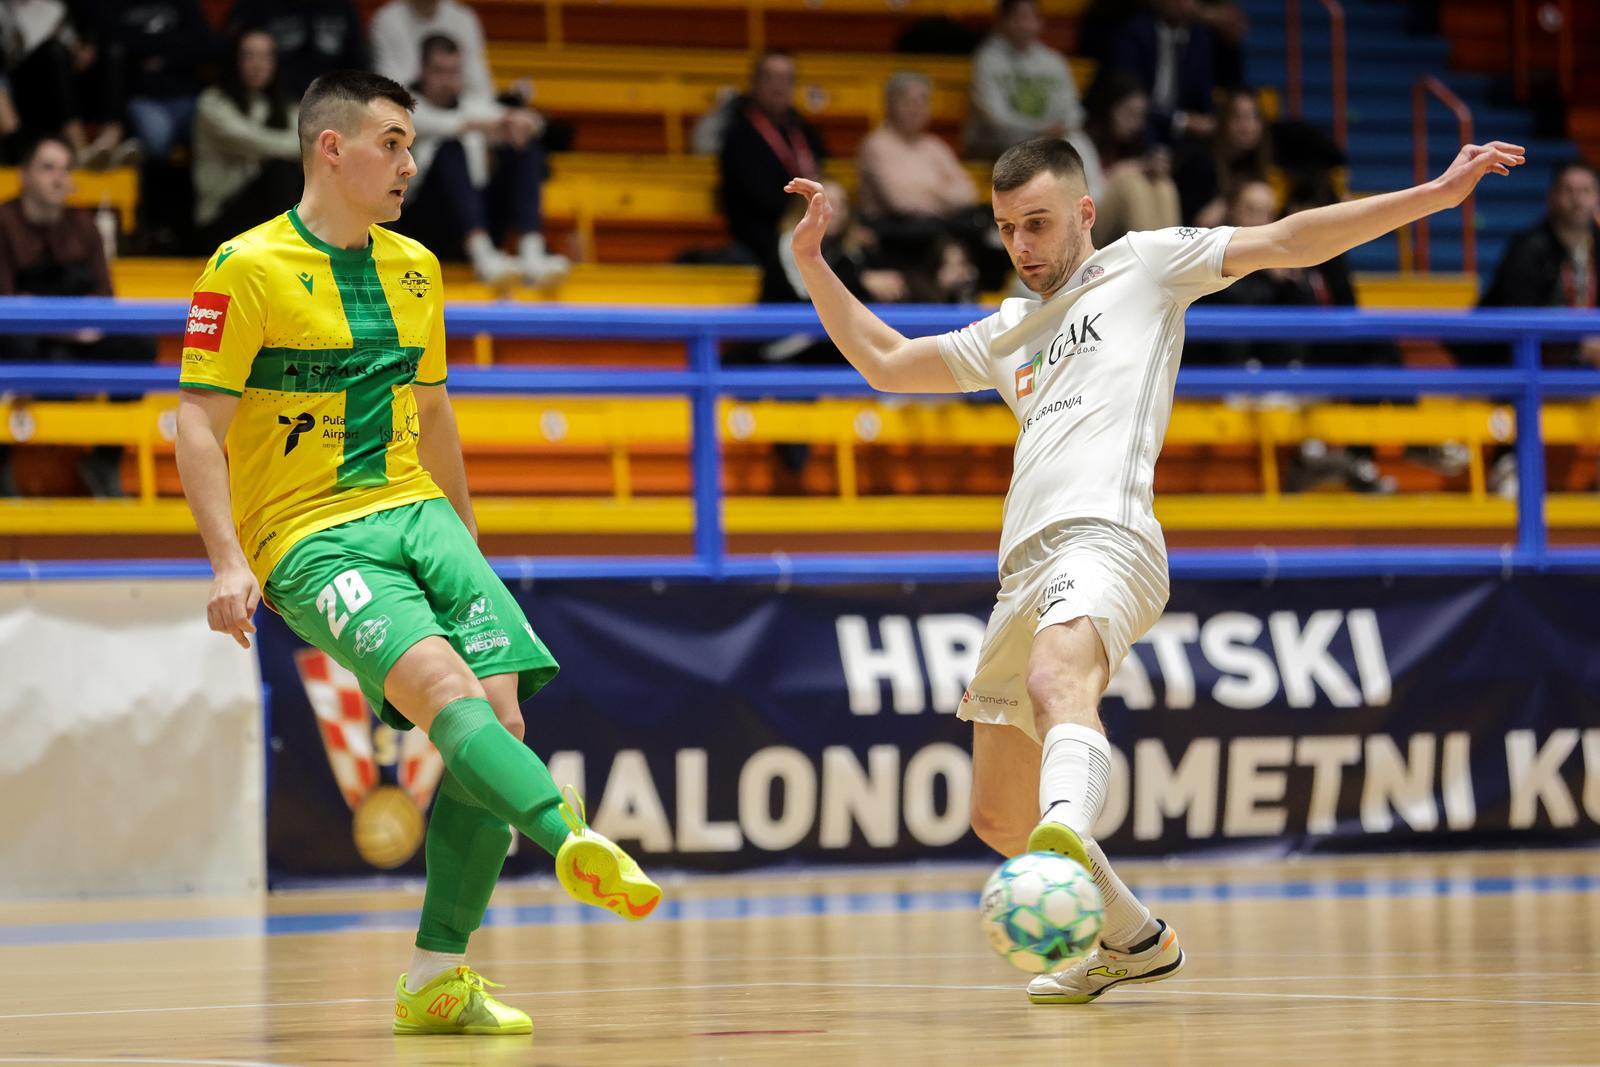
{"type": "Point", "coordinates": [1080, 569]}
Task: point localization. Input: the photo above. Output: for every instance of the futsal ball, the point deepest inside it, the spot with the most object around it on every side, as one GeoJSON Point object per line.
{"type": "Point", "coordinates": [388, 827]}
{"type": "Point", "coordinates": [1040, 910]}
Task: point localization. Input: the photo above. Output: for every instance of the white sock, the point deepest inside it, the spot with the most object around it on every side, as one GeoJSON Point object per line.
{"type": "Point", "coordinates": [426, 966]}
{"type": "Point", "coordinates": [1128, 921]}
{"type": "Point", "coordinates": [1072, 776]}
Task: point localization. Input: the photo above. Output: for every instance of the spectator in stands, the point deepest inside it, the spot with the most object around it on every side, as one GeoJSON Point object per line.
{"type": "Point", "coordinates": [1021, 87]}
{"type": "Point", "coordinates": [1555, 263]}
{"type": "Point", "coordinates": [49, 249]}
{"type": "Point", "coordinates": [480, 168]}
{"type": "Point", "coordinates": [765, 144]}
{"type": "Point", "coordinates": [399, 28]}
{"type": "Point", "coordinates": [1171, 53]}
{"type": "Point", "coordinates": [59, 87]}
{"type": "Point", "coordinates": [313, 36]}
{"type": "Point", "coordinates": [1101, 21]}
{"type": "Point", "coordinates": [156, 49]}
{"type": "Point", "coordinates": [246, 149]}
{"type": "Point", "coordinates": [850, 249]}
{"type": "Point", "coordinates": [1241, 150]}
{"type": "Point", "coordinates": [1136, 186]}
{"type": "Point", "coordinates": [1254, 203]}
{"type": "Point", "coordinates": [915, 194]}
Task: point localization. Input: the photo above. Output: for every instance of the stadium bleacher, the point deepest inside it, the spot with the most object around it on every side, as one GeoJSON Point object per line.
{"type": "Point", "coordinates": [629, 200]}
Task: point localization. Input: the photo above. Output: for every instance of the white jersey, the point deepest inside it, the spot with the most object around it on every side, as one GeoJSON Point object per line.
{"type": "Point", "coordinates": [1089, 375]}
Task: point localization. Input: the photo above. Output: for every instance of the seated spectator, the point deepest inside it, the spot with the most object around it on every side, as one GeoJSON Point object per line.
{"type": "Point", "coordinates": [850, 249]}
{"type": "Point", "coordinates": [49, 249]}
{"type": "Point", "coordinates": [56, 82]}
{"type": "Point", "coordinates": [480, 169]}
{"type": "Point", "coordinates": [1254, 203]}
{"type": "Point", "coordinates": [1136, 189]}
{"type": "Point", "coordinates": [401, 26]}
{"type": "Point", "coordinates": [906, 170]}
{"type": "Point", "coordinates": [246, 149]}
{"type": "Point", "coordinates": [313, 36]}
{"type": "Point", "coordinates": [1021, 87]}
{"type": "Point", "coordinates": [1171, 54]}
{"type": "Point", "coordinates": [156, 48]}
{"type": "Point", "coordinates": [914, 192]}
{"type": "Point", "coordinates": [1555, 263]}
{"type": "Point", "coordinates": [765, 144]}
{"type": "Point", "coordinates": [1241, 150]}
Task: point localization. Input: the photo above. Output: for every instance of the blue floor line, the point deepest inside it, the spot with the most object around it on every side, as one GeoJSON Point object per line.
{"type": "Point", "coordinates": [775, 907]}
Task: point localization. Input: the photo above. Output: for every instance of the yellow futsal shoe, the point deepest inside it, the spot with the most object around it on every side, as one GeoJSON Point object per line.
{"type": "Point", "coordinates": [455, 1003]}
{"type": "Point", "coordinates": [595, 871]}
{"type": "Point", "coordinates": [1061, 839]}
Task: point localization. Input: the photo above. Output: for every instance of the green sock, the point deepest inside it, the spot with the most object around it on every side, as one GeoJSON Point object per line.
{"type": "Point", "coordinates": [466, 848]}
{"type": "Point", "coordinates": [498, 771]}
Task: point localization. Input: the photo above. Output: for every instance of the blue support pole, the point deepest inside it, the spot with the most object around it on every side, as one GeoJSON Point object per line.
{"type": "Point", "coordinates": [705, 363]}
{"type": "Point", "coordinates": [1531, 533]}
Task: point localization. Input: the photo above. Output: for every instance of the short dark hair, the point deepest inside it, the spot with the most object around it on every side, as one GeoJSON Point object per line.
{"type": "Point", "coordinates": [1021, 163]}
{"type": "Point", "coordinates": [31, 149]}
{"type": "Point", "coordinates": [328, 101]}
{"type": "Point", "coordinates": [1005, 7]}
{"type": "Point", "coordinates": [1561, 169]}
{"type": "Point", "coordinates": [438, 42]}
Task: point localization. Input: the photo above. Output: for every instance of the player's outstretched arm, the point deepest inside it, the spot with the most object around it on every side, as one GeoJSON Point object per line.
{"type": "Point", "coordinates": [1307, 238]}
{"type": "Point", "coordinates": [439, 449]}
{"type": "Point", "coordinates": [203, 418]}
{"type": "Point", "coordinates": [888, 360]}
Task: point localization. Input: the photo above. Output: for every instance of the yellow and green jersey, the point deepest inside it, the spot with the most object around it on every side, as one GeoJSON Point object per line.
{"type": "Point", "coordinates": [322, 345]}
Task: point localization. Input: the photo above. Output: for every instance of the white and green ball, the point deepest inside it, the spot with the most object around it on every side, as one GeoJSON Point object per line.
{"type": "Point", "coordinates": [1040, 910]}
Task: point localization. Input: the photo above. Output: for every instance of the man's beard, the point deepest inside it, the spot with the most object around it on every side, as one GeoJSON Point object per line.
{"type": "Point", "coordinates": [1056, 279]}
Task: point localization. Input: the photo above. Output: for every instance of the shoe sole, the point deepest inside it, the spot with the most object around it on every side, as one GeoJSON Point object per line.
{"type": "Point", "coordinates": [590, 874]}
{"type": "Point", "coordinates": [410, 1030]}
{"type": "Point", "coordinates": [1083, 998]}
{"type": "Point", "coordinates": [1062, 840]}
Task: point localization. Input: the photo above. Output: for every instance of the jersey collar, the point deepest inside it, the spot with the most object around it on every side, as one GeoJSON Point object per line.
{"type": "Point", "coordinates": [337, 255]}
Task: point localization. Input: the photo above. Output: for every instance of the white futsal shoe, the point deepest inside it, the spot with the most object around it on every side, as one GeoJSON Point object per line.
{"type": "Point", "coordinates": [1103, 968]}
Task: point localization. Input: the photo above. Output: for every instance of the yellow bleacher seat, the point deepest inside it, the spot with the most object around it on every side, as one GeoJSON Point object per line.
{"type": "Point", "coordinates": [118, 188]}
{"type": "Point", "coordinates": [620, 465]}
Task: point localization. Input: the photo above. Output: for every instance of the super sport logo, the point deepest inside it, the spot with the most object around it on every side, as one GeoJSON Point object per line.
{"type": "Point", "coordinates": [208, 316]}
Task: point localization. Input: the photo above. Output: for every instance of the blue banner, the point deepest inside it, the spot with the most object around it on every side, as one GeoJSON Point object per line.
{"type": "Point", "coordinates": [726, 726]}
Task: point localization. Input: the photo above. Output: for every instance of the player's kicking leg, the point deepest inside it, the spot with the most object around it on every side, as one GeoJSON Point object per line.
{"type": "Point", "coordinates": [1067, 672]}
{"type": "Point", "coordinates": [492, 782]}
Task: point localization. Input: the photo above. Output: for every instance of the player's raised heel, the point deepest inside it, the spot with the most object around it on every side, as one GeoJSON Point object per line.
{"type": "Point", "coordinates": [1061, 839]}
{"type": "Point", "coordinates": [1104, 969]}
{"type": "Point", "coordinates": [595, 871]}
{"type": "Point", "coordinates": [455, 1003]}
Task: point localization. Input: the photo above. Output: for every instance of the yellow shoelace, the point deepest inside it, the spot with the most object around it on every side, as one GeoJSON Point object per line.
{"type": "Point", "coordinates": [572, 811]}
{"type": "Point", "coordinates": [475, 980]}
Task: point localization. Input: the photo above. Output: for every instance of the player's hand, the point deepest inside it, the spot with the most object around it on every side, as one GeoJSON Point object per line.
{"type": "Point", "coordinates": [810, 231]}
{"type": "Point", "coordinates": [234, 596]}
{"type": "Point", "coordinates": [1474, 161]}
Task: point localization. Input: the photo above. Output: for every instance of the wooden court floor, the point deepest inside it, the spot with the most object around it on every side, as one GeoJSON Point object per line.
{"type": "Point", "coordinates": [1489, 958]}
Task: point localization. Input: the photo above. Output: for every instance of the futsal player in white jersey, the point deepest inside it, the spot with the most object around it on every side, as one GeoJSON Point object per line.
{"type": "Point", "coordinates": [1088, 368]}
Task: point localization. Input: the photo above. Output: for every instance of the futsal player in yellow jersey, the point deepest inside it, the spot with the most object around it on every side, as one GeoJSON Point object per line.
{"type": "Point", "coordinates": [315, 349]}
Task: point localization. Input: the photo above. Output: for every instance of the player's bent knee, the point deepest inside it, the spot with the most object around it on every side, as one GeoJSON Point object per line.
{"type": "Point", "coordinates": [1002, 831]}
{"type": "Point", "coordinates": [514, 725]}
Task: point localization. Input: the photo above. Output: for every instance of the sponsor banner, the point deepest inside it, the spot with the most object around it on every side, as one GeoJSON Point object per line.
{"type": "Point", "coordinates": [715, 727]}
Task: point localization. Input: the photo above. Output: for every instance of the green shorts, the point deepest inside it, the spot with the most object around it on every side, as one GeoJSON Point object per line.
{"type": "Point", "coordinates": [367, 590]}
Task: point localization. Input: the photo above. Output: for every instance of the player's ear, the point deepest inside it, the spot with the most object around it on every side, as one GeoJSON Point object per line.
{"type": "Point", "coordinates": [329, 142]}
{"type": "Point", "coordinates": [1086, 212]}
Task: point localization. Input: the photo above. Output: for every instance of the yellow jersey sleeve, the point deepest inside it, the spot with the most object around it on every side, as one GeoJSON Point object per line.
{"type": "Point", "coordinates": [227, 320]}
{"type": "Point", "coordinates": [431, 368]}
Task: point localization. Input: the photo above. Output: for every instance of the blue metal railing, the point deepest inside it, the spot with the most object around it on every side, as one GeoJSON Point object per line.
{"type": "Point", "coordinates": [703, 329]}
